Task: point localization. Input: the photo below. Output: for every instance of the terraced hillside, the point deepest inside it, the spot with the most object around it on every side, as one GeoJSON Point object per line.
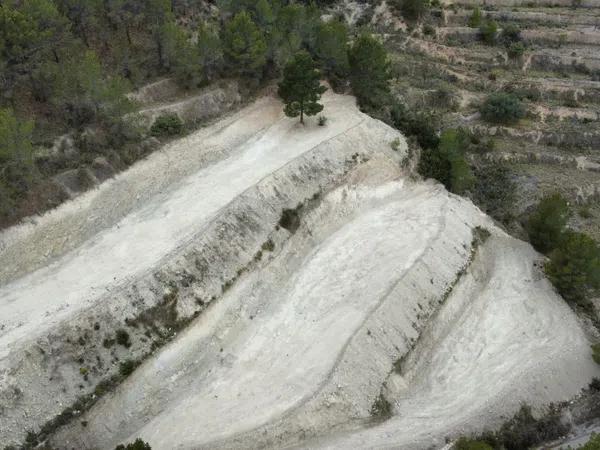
{"type": "Point", "coordinates": [443, 66]}
{"type": "Point", "coordinates": [288, 281]}
{"type": "Point", "coordinates": [263, 283]}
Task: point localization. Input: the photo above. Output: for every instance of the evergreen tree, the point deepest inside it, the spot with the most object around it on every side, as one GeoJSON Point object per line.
{"type": "Point", "coordinates": [332, 50]}
{"type": "Point", "coordinates": [211, 52]}
{"type": "Point", "coordinates": [574, 267]}
{"type": "Point", "coordinates": [244, 45]}
{"type": "Point", "coordinates": [301, 88]}
{"type": "Point", "coordinates": [369, 72]}
{"type": "Point", "coordinates": [546, 225]}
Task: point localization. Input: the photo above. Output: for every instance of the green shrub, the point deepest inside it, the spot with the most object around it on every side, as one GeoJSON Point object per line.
{"type": "Point", "coordinates": [475, 18]}
{"type": "Point", "coordinates": [290, 219]}
{"type": "Point", "coordinates": [138, 444]}
{"type": "Point", "coordinates": [574, 267]}
{"type": "Point", "coordinates": [546, 224]}
{"type": "Point", "coordinates": [382, 408]}
{"type": "Point", "coordinates": [127, 367]}
{"type": "Point", "coordinates": [494, 191]}
{"type": "Point", "coordinates": [488, 31]}
{"type": "Point", "coordinates": [593, 443]}
{"type": "Point", "coordinates": [419, 125]}
{"type": "Point", "coordinates": [395, 144]}
{"type": "Point", "coordinates": [524, 431]}
{"type": "Point", "coordinates": [122, 338]}
{"type": "Point", "coordinates": [470, 444]}
{"type": "Point", "coordinates": [412, 10]}
{"type": "Point", "coordinates": [447, 163]}
{"type": "Point", "coordinates": [428, 30]}
{"type": "Point", "coordinates": [515, 50]}
{"type": "Point", "coordinates": [596, 353]}
{"type": "Point", "coordinates": [502, 108]}
{"type": "Point", "coordinates": [322, 121]}
{"type": "Point", "coordinates": [511, 33]}
{"type": "Point", "coordinates": [167, 125]}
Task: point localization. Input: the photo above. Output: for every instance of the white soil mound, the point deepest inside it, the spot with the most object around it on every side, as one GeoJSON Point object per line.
{"type": "Point", "coordinates": [317, 266]}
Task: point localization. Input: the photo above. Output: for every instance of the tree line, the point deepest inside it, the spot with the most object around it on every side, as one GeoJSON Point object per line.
{"type": "Point", "coordinates": [67, 65]}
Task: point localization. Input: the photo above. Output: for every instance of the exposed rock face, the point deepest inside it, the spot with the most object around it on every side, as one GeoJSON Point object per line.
{"type": "Point", "coordinates": [268, 276]}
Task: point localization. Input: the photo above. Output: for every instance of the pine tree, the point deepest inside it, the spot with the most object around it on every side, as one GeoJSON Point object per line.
{"type": "Point", "coordinates": [301, 88]}
{"type": "Point", "coordinates": [332, 50]}
{"type": "Point", "coordinates": [369, 71]}
{"type": "Point", "coordinates": [244, 45]}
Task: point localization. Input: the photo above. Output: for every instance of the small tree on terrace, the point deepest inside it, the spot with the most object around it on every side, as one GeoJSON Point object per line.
{"type": "Point", "coordinates": [301, 88]}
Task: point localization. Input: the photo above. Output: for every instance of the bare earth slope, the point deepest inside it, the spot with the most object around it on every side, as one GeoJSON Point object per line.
{"type": "Point", "coordinates": [299, 316]}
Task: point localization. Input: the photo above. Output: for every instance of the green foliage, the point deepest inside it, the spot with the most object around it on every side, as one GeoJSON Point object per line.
{"type": "Point", "coordinates": [546, 224]}
{"type": "Point", "coordinates": [138, 444]}
{"type": "Point", "coordinates": [127, 367]}
{"type": "Point", "coordinates": [167, 125]}
{"type": "Point", "coordinates": [381, 408]}
{"type": "Point", "coordinates": [296, 26]}
{"type": "Point", "coordinates": [210, 52]}
{"type": "Point", "coordinates": [412, 10]}
{"type": "Point", "coordinates": [596, 356]}
{"type": "Point", "coordinates": [494, 191]}
{"type": "Point", "coordinates": [369, 72]}
{"type": "Point", "coordinates": [244, 46]}
{"type": "Point", "coordinates": [524, 431]}
{"type": "Point", "coordinates": [122, 338]}
{"type": "Point", "coordinates": [15, 139]}
{"type": "Point", "coordinates": [446, 162]}
{"type": "Point", "coordinates": [416, 124]}
{"type": "Point", "coordinates": [470, 444]}
{"type": "Point", "coordinates": [574, 267]}
{"type": "Point", "coordinates": [301, 89]}
{"type": "Point", "coordinates": [511, 33]}
{"type": "Point", "coordinates": [332, 51]}
{"type": "Point", "coordinates": [16, 161]}
{"type": "Point", "coordinates": [488, 31]}
{"type": "Point", "coordinates": [84, 95]}
{"type": "Point", "coordinates": [515, 50]}
{"type": "Point", "coordinates": [475, 18]}
{"type": "Point", "coordinates": [593, 443]}
{"type": "Point", "coordinates": [502, 108]}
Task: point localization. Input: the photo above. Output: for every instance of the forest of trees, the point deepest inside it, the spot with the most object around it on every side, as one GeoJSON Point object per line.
{"type": "Point", "coordinates": [67, 65]}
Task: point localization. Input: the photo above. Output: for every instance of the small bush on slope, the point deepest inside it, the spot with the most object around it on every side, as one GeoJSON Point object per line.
{"type": "Point", "coordinates": [574, 267]}
{"type": "Point", "coordinates": [475, 18]}
{"type": "Point", "coordinates": [382, 408]}
{"type": "Point", "coordinates": [446, 162]}
{"type": "Point", "coordinates": [489, 31]}
{"type": "Point", "coordinates": [524, 431]}
{"type": "Point", "coordinates": [502, 108]}
{"type": "Point", "coordinates": [593, 443]}
{"type": "Point", "coordinates": [138, 444]}
{"type": "Point", "coordinates": [494, 191]}
{"type": "Point", "coordinates": [546, 225]}
{"type": "Point", "coordinates": [596, 357]}
{"type": "Point", "coordinates": [167, 125]}
{"type": "Point", "coordinates": [412, 10]}
{"type": "Point", "coordinates": [470, 444]}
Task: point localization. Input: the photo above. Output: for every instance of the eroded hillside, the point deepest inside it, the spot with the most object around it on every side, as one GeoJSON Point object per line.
{"type": "Point", "coordinates": [282, 283]}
